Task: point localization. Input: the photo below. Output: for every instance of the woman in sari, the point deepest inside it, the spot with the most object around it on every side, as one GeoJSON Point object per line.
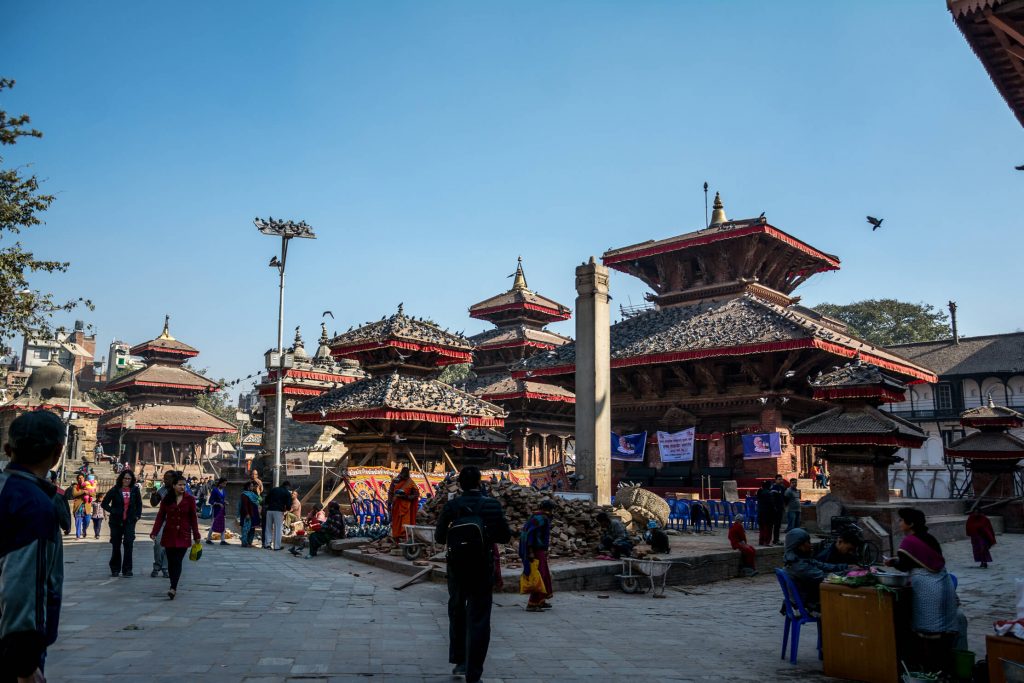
{"type": "Point", "coordinates": [534, 540]}
{"type": "Point", "coordinates": [933, 602]}
{"type": "Point", "coordinates": [249, 513]}
{"type": "Point", "coordinates": [218, 502]}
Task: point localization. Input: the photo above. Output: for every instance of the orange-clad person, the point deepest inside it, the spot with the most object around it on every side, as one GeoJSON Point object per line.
{"type": "Point", "coordinates": [403, 502]}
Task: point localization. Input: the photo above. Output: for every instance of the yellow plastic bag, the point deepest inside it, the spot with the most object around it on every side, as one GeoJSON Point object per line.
{"type": "Point", "coordinates": [195, 552]}
{"type": "Point", "coordinates": [533, 583]}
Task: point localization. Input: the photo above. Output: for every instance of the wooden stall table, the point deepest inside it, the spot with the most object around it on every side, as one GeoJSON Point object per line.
{"type": "Point", "coordinates": [998, 648]}
{"type": "Point", "coordinates": [862, 631]}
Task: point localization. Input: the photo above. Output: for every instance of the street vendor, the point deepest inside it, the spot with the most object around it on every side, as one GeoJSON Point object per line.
{"type": "Point", "coordinates": [807, 573]}
{"type": "Point", "coordinates": [403, 502]}
{"type": "Point", "coordinates": [844, 549]}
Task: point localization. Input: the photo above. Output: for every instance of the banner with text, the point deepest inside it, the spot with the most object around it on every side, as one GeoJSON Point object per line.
{"type": "Point", "coordinates": [676, 446]}
{"type": "Point", "coordinates": [762, 445]}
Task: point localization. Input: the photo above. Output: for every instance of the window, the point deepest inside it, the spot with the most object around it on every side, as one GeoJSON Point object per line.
{"type": "Point", "coordinates": [951, 435]}
{"type": "Point", "coordinates": [943, 397]}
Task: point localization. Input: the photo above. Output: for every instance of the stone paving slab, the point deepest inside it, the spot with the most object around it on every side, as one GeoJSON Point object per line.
{"type": "Point", "coordinates": [255, 615]}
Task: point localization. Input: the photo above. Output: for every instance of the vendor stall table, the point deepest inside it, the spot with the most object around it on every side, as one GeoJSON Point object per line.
{"type": "Point", "coordinates": [998, 648]}
{"type": "Point", "coordinates": [861, 632]}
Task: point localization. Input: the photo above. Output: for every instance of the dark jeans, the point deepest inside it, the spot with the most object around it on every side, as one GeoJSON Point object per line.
{"type": "Point", "coordinates": [469, 622]}
{"type": "Point", "coordinates": [777, 526]}
{"type": "Point", "coordinates": [174, 558]}
{"type": "Point", "coordinates": [121, 535]}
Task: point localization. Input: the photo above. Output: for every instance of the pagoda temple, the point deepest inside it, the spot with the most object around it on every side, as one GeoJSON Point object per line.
{"type": "Point", "coordinates": [161, 422]}
{"type": "Point", "coordinates": [309, 376]}
{"type": "Point", "coordinates": [725, 349]}
{"type": "Point", "coordinates": [992, 456]}
{"type": "Point", "coordinates": [540, 419]}
{"type": "Point", "coordinates": [400, 414]}
{"type": "Point", "coordinates": [858, 440]}
{"type": "Point", "coordinates": [53, 388]}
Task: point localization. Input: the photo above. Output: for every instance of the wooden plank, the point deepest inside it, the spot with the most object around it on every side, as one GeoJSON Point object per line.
{"type": "Point", "coordinates": [419, 575]}
{"type": "Point", "coordinates": [998, 23]}
{"type": "Point", "coordinates": [426, 480]}
{"type": "Point", "coordinates": [451, 463]}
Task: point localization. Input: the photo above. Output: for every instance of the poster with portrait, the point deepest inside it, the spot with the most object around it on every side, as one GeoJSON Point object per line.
{"type": "Point", "coordinates": [766, 445]}
{"type": "Point", "coordinates": [629, 447]}
{"type": "Point", "coordinates": [296, 464]}
{"type": "Point", "coordinates": [676, 446]}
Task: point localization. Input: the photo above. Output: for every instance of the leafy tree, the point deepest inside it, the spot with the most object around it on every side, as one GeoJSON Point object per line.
{"type": "Point", "coordinates": [107, 399]}
{"type": "Point", "coordinates": [23, 311]}
{"type": "Point", "coordinates": [454, 374]}
{"type": "Point", "coordinates": [887, 321]}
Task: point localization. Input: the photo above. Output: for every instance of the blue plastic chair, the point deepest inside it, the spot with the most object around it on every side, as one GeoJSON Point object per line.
{"type": "Point", "coordinates": [715, 517]}
{"type": "Point", "coordinates": [796, 616]}
{"type": "Point", "coordinates": [683, 512]}
{"type": "Point", "coordinates": [673, 515]}
{"type": "Point", "coordinates": [751, 512]}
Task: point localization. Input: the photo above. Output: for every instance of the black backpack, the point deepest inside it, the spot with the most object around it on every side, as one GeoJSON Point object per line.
{"type": "Point", "coordinates": [467, 549]}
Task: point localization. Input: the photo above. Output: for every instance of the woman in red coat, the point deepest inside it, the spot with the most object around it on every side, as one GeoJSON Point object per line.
{"type": "Point", "coordinates": [982, 536]}
{"type": "Point", "coordinates": [177, 517]}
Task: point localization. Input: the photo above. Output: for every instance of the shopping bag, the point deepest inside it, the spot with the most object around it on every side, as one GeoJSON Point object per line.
{"type": "Point", "coordinates": [532, 583]}
{"type": "Point", "coordinates": [196, 552]}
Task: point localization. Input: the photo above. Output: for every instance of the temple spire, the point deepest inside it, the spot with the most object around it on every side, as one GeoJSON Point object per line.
{"type": "Point", "coordinates": [298, 339]}
{"type": "Point", "coordinates": [718, 212]}
{"type": "Point", "coordinates": [166, 334]}
{"type": "Point", "coordinates": [323, 333]}
{"type": "Point", "coordinates": [519, 283]}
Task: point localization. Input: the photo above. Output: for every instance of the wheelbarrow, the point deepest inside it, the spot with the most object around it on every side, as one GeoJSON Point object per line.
{"type": "Point", "coordinates": [655, 571]}
{"type": "Point", "coordinates": [417, 539]}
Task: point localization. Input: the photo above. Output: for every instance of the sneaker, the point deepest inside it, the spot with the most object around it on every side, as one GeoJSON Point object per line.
{"type": "Point", "coordinates": [546, 605]}
{"type": "Point", "coordinates": [127, 574]}
{"type": "Point", "coordinates": [223, 542]}
{"type": "Point", "coordinates": [534, 608]}
{"type": "Point", "coordinates": [113, 573]}
{"type": "Point", "coordinates": [459, 670]}
{"type": "Point", "coordinates": [155, 573]}
{"type": "Point", "coordinates": [166, 575]}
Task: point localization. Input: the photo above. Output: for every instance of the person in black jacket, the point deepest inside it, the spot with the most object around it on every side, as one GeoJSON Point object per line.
{"type": "Point", "coordinates": [778, 506]}
{"type": "Point", "coordinates": [765, 513]}
{"type": "Point", "coordinates": [470, 586]}
{"type": "Point", "coordinates": [31, 546]}
{"type": "Point", "coordinates": [123, 504]}
{"type": "Point", "coordinates": [279, 500]}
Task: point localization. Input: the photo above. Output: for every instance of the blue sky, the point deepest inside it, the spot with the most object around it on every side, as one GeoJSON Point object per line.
{"type": "Point", "coordinates": [430, 143]}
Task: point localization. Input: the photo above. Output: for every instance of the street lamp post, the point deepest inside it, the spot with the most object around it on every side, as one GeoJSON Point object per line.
{"type": "Point", "coordinates": [286, 230]}
{"type": "Point", "coordinates": [67, 421]}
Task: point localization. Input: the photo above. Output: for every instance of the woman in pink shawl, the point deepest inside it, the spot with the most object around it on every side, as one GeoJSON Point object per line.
{"type": "Point", "coordinates": [934, 616]}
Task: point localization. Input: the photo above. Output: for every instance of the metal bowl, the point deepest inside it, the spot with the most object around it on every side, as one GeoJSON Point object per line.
{"type": "Point", "coordinates": [893, 579]}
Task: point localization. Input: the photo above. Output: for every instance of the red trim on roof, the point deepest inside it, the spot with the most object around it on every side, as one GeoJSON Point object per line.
{"type": "Point", "coordinates": [173, 428]}
{"type": "Point", "coordinates": [52, 406]}
{"type": "Point", "coordinates": [554, 313]}
{"type": "Point", "coordinates": [519, 343]}
{"type": "Point", "coordinates": [857, 440]}
{"type": "Point", "coordinates": [1008, 422]}
{"type": "Point", "coordinates": [770, 347]}
{"type": "Point", "coordinates": [271, 390]}
{"type": "Point", "coordinates": [528, 395]}
{"type": "Point", "coordinates": [883, 394]}
{"type": "Point", "coordinates": [164, 385]}
{"type": "Point", "coordinates": [138, 349]}
{"type": "Point", "coordinates": [449, 355]}
{"type": "Point", "coordinates": [985, 455]}
{"type": "Point", "coordinates": [675, 245]}
{"type": "Point", "coordinates": [401, 415]}
{"type": "Point", "coordinates": [306, 374]}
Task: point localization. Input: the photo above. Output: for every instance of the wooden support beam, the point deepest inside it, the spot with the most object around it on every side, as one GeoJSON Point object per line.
{"type": "Point", "coordinates": [367, 457]}
{"type": "Point", "coordinates": [426, 481]}
{"type": "Point", "coordinates": [780, 374]}
{"type": "Point", "coordinates": [998, 23]}
{"type": "Point", "coordinates": [451, 463]}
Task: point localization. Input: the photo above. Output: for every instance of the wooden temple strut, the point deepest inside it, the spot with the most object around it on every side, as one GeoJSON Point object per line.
{"type": "Point", "coordinates": [449, 460]}
{"type": "Point", "coordinates": [426, 481]}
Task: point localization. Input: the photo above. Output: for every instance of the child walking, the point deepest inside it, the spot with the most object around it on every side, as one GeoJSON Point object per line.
{"type": "Point", "coordinates": [98, 515]}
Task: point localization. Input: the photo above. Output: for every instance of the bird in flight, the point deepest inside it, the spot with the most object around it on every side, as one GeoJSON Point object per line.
{"type": "Point", "coordinates": [1020, 168]}
{"type": "Point", "coordinates": [876, 223]}
{"type": "Point", "coordinates": [327, 313]}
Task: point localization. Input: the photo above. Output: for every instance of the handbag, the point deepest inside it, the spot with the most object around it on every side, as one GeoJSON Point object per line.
{"type": "Point", "coordinates": [195, 552]}
{"type": "Point", "coordinates": [532, 582]}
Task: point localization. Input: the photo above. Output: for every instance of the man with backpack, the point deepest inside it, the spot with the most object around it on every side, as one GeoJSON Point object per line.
{"type": "Point", "coordinates": [469, 526]}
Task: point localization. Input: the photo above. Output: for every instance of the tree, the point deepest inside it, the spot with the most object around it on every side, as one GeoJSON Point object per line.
{"type": "Point", "coordinates": [23, 311]}
{"type": "Point", "coordinates": [457, 373]}
{"type": "Point", "coordinates": [886, 322]}
{"type": "Point", "coordinates": [215, 402]}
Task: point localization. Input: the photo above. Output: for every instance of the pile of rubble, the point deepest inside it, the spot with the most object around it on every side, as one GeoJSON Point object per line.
{"type": "Point", "coordinates": [575, 532]}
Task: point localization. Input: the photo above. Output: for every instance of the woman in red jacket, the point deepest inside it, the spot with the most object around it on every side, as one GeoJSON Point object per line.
{"type": "Point", "coordinates": [177, 517]}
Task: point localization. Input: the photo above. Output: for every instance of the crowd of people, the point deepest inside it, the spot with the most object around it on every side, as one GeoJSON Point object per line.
{"type": "Point", "coordinates": [471, 526]}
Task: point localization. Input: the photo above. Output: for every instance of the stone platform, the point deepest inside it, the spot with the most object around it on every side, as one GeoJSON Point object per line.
{"type": "Point", "coordinates": [709, 558]}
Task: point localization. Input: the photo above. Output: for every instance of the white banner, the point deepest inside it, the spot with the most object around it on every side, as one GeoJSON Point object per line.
{"type": "Point", "coordinates": [676, 447]}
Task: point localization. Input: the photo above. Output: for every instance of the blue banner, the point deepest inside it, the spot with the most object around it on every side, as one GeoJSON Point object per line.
{"type": "Point", "coordinates": [762, 445]}
{"type": "Point", "coordinates": [629, 446]}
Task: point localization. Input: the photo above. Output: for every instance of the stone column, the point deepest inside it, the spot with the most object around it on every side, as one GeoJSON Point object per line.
{"type": "Point", "coordinates": [593, 382]}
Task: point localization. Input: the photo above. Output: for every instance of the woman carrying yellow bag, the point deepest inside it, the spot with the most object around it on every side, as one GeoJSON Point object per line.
{"type": "Point", "coordinates": [177, 518]}
{"type": "Point", "coordinates": [534, 540]}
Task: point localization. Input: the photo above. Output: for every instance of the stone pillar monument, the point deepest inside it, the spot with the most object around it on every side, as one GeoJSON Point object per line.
{"type": "Point", "coordinates": [593, 382]}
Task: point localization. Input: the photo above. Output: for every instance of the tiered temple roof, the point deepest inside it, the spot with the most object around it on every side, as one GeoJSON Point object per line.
{"type": "Point", "coordinates": [311, 376]}
{"type": "Point", "coordinates": [520, 305]}
{"type": "Point", "coordinates": [992, 442]}
{"type": "Point", "coordinates": [859, 388]}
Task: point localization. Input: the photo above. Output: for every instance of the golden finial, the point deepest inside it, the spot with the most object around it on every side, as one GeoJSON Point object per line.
{"type": "Point", "coordinates": [520, 282]}
{"type": "Point", "coordinates": [166, 334]}
{"type": "Point", "coordinates": [718, 212]}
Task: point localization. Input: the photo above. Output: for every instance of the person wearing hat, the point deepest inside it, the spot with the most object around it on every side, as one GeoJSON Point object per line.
{"type": "Point", "coordinates": [31, 546]}
{"type": "Point", "coordinates": [534, 541]}
{"type": "Point", "coordinates": [807, 572]}
{"type": "Point", "coordinates": [738, 541]}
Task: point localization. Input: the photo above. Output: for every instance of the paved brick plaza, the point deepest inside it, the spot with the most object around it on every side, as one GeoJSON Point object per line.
{"type": "Point", "coordinates": [262, 616]}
